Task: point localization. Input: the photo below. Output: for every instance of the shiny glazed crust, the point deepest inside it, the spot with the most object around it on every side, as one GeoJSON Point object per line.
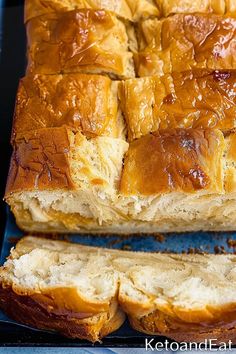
{"type": "Point", "coordinates": [73, 170]}
{"type": "Point", "coordinates": [87, 41]}
{"type": "Point", "coordinates": [41, 160]}
{"type": "Point", "coordinates": [170, 7]}
{"type": "Point", "coordinates": [174, 160]}
{"type": "Point", "coordinates": [185, 42]}
{"type": "Point", "coordinates": [197, 99]}
{"type": "Point", "coordinates": [132, 10]}
{"type": "Point", "coordinates": [87, 103]}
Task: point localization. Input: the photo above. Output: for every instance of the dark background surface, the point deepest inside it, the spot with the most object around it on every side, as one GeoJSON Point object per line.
{"type": "Point", "coordinates": [12, 65]}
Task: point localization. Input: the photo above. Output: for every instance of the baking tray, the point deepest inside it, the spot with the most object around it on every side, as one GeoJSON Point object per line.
{"type": "Point", "coordinates": [12, 51]}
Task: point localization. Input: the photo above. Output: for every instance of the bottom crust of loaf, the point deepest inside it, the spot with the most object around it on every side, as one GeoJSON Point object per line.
{"type": "Point", "coordinates": [25, 310]}
{"type": "Point", "coordinates": [158, 323]}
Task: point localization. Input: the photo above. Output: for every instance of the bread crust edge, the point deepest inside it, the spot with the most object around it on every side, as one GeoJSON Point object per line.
{"type": "Point", "coordinates": [26, 310]}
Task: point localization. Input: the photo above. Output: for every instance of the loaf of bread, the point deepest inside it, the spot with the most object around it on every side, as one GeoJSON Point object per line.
{"type": "Point", "coordinates": [190, 99]}
{"type": "Point", "coordinates": [125, 120]}
{"type": "Point", "coordinates": [84, 292]}
{"type": "Point", "coordinates": [86, 40]}
{"type": "Point", "coordinates": [171, 180]}
{"type": "Point", "coordinates": [185, 42]}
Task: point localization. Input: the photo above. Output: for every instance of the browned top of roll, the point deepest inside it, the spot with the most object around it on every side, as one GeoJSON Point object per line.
{"type": "Point", "coordinates": [174, 160]}
{"type": "Point", "coordinates": [184, 42]}
{"type": "Point", "coordinates": [87, 103]}
{"type": "Point", "coordinates": [192, 99]}
{"type": "Point", "coordinates": [40, 160]}
{"type": "Point", "coordinates": [79, 41]}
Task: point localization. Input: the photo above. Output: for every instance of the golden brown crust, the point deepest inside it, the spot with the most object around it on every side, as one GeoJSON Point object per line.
{"type": "Point", "coordinates": [79, 41]}
{"type": "Point", "coordinates": [184, 42]}
{"type": "Point", "coordinates": [230, 177]}
{"type": "Point", "coordinates": [174, 160]}
{"type": "Point", "coordinates": [230, 7]}
{"type": "Point", "coordinates": [25, 310]}
{"type": "Point", "coordinates": [83, 102]}
{"type": "Point", "coordinates": [159, 323]}
{"type": "Point", "coordinates": [194, 99]}
{"type": "Point", "coordinates": [30, 311]}
{"type": "Point", "coordinates": [169, 7]}
{"type": "Point", "coordinates": [40, 160]}
{"type": "Point", "coordinates": [131, 9]}
{"type": "Point", "coordinates": [35, 8]}
{"type": "Point", "coordinates": [194, 328]}
{"type": "Point", "coordinates": [80, 178]}
{"type": "Point", "coordinates": [128, 9]}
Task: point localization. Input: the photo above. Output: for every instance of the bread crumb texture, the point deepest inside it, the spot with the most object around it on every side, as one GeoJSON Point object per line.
{"type": "Point", "coordinates": [90, 288]}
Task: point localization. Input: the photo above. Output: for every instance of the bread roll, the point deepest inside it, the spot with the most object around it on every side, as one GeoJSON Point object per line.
{"type": "Point", "coordinates": [185, 42]}
{"type": "Point", "coordinates": [83, 292]}
{"type": "Point", "coordinates": [87, 41]}
{"type": "Point", "coordinates": [174, 161]}
{"type": "Point", "coordinates": [193, 99]}
{"type": "Point", "coordinates": [86, 103]}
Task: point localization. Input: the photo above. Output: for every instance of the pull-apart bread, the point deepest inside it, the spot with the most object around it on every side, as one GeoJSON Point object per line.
{"type": "Point", "coordinates": [88, 103]}
{"type": "Point", "coordinates": [86, 40]}
{"type": "Point", "coordinates": [171, 180]}
{"type": "Point", "coordinates": [84, 292]}
{"type": "Point", "coordinates": [97, 41]}
{"type": "Point", "coordinates": [192, 99]}
{"type": "Point", "coordinates": [152, 153]}
{"type": "Point", "coordinates": [184, 42]}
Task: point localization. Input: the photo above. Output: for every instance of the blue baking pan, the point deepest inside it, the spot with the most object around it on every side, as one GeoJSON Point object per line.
{"type": "Point", "coordinates": [200, 242]}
